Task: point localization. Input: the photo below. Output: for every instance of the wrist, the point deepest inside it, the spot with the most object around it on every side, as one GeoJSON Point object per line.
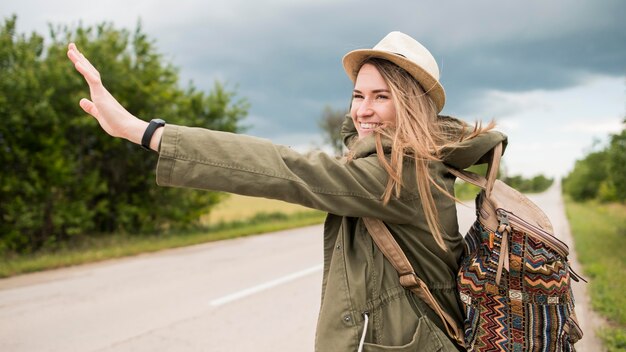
{"type": "Point", "coordinates": [156, 139]}
{"type": "Point", "coordinates": [149, 140]}
{"type": "Point", "coordinates": [135, 130]}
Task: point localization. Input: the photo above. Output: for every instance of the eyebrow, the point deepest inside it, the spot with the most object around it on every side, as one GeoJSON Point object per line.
{"type": "Point", "coordinates": [374, 91]}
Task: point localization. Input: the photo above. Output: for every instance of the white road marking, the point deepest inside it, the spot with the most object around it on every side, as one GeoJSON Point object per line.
{"type": "Point", "coordinates": [258, 288]}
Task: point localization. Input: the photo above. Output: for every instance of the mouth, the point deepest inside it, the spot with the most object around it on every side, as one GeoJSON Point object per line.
{"type": "Point", "coordinates": [369, 125]}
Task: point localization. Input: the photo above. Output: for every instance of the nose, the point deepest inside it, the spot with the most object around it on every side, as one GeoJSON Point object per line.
{"type": "Point", "coordinates": [364, 109]}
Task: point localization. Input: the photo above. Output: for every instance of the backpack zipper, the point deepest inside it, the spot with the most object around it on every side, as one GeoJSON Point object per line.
{"type": "Point", "coordinates": [559, 246]}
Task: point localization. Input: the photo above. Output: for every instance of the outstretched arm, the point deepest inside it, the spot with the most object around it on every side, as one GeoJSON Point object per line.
{"type": "Point", "coordinates": [112, 117]}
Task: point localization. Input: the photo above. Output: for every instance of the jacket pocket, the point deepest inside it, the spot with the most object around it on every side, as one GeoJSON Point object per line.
{"type": "Point", "coordinates": [427, 338]}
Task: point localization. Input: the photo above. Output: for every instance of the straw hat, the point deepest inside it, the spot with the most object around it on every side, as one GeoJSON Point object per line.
{"type": "Point", "coordinates": [407, 53]}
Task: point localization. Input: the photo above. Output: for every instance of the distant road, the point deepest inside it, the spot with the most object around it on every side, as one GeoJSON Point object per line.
{"type": "Point", "coordinates": [257, 293]}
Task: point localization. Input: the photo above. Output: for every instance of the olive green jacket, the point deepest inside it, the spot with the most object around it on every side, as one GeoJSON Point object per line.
{"type": "Point", "coordinates": [357, 279]}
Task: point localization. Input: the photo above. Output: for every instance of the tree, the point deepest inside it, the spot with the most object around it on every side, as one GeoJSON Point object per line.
{"type": "Point", "coordinates": [61, 176]}
{"type": "Point", "coordinates": [536, 184]}
{"type": "Point", "coordinates": [617, 164]}
{"type": "Point", "coordinates": [602, 174]}
{"type": "Point", "coordinates": [330, 123]}
{"type": "Point", "coordinates": [589, 173]}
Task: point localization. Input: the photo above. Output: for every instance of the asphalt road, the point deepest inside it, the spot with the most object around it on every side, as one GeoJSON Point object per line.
{"type": "Point", "coordinates": [258, 293]}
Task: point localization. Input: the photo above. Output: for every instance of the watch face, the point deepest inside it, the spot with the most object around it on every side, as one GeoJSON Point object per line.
{"type": "Point", "coordinates": [158, 121]}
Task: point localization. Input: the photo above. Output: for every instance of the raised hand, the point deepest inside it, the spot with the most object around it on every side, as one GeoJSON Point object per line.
{"type": "Point", "coordinates": [112, 117]}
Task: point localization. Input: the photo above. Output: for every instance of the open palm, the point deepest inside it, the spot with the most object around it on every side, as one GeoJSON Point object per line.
{"type": "Point", "coordinates": [111, 116]}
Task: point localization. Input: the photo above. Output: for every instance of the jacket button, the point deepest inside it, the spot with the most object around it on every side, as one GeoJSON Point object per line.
{"type": "Point", "coordinates": [338, 246]}
{"type": "Point", "coordinates": [347, 318]}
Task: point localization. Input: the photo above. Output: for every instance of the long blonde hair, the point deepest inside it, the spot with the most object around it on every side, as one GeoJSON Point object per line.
{"type": "Point", "coordinates": [418, 134]}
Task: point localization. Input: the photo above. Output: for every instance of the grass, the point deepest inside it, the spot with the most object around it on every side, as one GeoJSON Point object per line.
{"type": "Point", "coordinates": [465, 191]}
{"type": "Point", "coordinates": [599, 231]}
{"type": "Point", "coordinates": [236, 208]}
{"type": "Point", "coordinates": [238, 216]}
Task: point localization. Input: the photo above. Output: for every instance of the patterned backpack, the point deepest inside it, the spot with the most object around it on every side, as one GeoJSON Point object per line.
{"type": "Point", "coordinates": [515, 278]}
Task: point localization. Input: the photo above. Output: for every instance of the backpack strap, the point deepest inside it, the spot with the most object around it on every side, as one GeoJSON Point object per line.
{"type": "Point", "coordinates": [408, 279]}
{"type": "Point", "coordinates": [492, 172]}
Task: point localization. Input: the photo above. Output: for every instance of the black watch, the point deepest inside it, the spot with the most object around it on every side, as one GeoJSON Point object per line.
{"type": "Point", "coordinates": [147, 135]}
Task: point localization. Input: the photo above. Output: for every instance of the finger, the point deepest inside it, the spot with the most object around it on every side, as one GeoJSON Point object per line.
{"type": "Point", "coordinates": [82, 64]}
{"type": "Point", "coordinates": [72, 48]}
{"type": "Point", "coordinates": [84, 61]}
{"type": "Point", "coordinates": [92, 77]}
{"type": "Point", "coordinates": [85, 71]}
{"type": "Point", "coordinates": [89, 107]}
{"type": "Point", "coordinates": [72, 53]}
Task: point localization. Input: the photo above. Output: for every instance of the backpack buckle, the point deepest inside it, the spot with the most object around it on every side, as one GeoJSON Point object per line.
{"type": "Point", "coordinates": [503, 217]}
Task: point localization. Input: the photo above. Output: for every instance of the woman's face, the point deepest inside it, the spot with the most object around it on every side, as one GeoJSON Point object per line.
{"type": "Point", "coordinates": [372, 104]}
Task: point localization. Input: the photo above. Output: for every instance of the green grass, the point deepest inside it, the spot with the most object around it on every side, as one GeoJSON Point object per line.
{"type": "Point", "coordinates": [465, 191]}
{"type": "Point", "coordinates": [90, 250]}
{"type": "Point", "coordinates": [599, 231]}
{"type": "Point", "coordinates": [237, 208]}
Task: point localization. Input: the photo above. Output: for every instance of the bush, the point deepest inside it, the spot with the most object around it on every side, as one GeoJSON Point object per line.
{"type": "Point", "coordinates": [617, 164]}
{"type": "Point", "coordinates": [584, 182]}
{"type": "Point", "coordinates": [535, 184]}
{"type": "Point", "coordinates": [61, 175]}
{"type": "Point", "coordinates": [600, 175]}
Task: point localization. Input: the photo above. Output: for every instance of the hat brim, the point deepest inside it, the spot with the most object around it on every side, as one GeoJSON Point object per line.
{"type": "Point", "coordinates": [353, 61]}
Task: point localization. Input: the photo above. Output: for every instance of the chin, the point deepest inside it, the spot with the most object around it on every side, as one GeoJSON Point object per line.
{"type": "Point", "coordinates": [363, 134]}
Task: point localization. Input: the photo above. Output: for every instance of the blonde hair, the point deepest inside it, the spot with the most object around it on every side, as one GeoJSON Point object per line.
{"type": "Point", "coordinates": [418, 134]}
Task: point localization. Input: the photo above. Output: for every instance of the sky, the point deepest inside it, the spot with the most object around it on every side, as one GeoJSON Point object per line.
{"type": "Point", "coordinates": [551, 73]}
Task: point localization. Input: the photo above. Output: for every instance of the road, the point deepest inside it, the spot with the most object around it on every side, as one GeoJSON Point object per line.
{"type": "Point", "coordinates": [257, 293]}
{"type": "Point", "coordinates": [552, 204]}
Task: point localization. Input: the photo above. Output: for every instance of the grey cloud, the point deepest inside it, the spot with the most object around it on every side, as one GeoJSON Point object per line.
{"type": "Point", "coordinates": [288, 63]}
{"type": "Point", "coordinates": [535, 64]}
{"type": "Point", "coordinates": [285, 55]}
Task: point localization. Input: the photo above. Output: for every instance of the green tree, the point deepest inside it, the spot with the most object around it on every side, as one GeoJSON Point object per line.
{"type": "Point", "coordinates": [588, 175]}
{"type": "Point", "coordinates": [538, 183]}
{"type": "Point", "coordinates": [535, 184]}
{"type": "Point", "coordinates": [330, 122]}
{"type": "Point", "coordinates": [617, 164]}
{"type": "Point", "coordinates": [61, 175]}
{"type": "Point", "coordinates": [602, 174]}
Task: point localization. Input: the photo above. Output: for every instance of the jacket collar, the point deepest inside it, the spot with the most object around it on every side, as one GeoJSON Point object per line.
{"type": "Point", "coordinates": [459, 155]}
{"type": "Point", "coordinates": [360, 148]}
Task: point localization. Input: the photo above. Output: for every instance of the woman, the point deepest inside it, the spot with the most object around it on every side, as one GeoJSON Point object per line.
{"type": "Point", "coordinates": [395, 171]}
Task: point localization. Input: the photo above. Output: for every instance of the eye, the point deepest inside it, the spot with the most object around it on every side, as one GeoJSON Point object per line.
{"type": "Point", "coordinates": [382, 97]}
{"type": "Point", "coordinates": [357, 96]}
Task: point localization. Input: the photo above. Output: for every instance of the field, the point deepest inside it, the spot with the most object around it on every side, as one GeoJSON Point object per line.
{"type": "Point", "coordinates": [241, 208]}
{"type": "Point", "coordinates": [599, 231]}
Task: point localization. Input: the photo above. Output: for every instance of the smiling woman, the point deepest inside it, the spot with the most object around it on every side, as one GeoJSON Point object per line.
{"type": "Point", "coordinates": [395, 104]}
{"type": "Point", "coordinates": [372, 106]}
{"type": "Point", "coordinates": [395, 171]}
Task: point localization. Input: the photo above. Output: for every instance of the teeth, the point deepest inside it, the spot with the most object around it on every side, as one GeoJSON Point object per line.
{"type": "Point", "coordinates": [369, 125]}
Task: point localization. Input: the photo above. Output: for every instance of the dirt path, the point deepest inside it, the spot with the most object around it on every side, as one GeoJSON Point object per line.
{"type": "Point", "coordinates": [551, 202]}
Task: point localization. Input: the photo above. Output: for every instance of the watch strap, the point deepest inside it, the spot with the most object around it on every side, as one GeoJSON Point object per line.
{"type": "Point", "coordinates": [147, 135]}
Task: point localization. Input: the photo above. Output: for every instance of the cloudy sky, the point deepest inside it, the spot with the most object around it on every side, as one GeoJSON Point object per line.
{"type": "Point", "coordinates": [551, 73]}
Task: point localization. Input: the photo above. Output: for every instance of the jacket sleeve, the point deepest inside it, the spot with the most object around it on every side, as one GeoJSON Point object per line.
{"type": "Point", "coordinates": [474, 150]}
{"type": "Point", "coordinates": [205, 159]}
